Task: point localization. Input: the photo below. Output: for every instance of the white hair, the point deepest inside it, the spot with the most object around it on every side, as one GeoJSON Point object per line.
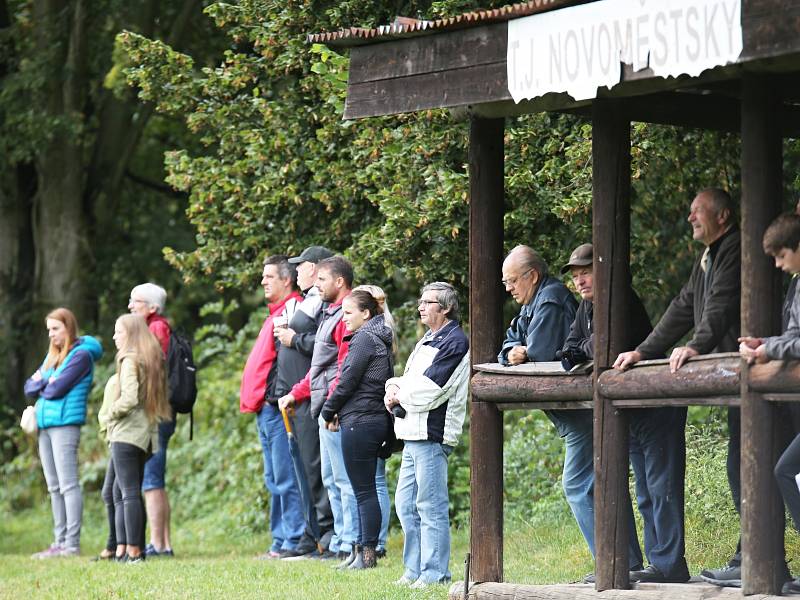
{"type": "Point", "coordinates": [154, 295]}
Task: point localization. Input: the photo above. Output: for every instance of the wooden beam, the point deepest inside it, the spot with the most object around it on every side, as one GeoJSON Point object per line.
{"type": "Point", "coordinates": [647, 591]}
{"type": "Point", "coordinates": [490, 387]}
{"type": "Point", "coordinates": [611, 164]}
{"type": "Point", "coordinates": [677, 402]}
{"type": "Point", "coordinates": [762, 188]}
{"type": "Point", "coordinates": [719, 377]}
{"type": "Point", "coordinates": [552, 405]}
{"type": "Point", "coordinates": [486, 333]}
{"type": "Point", "coordinates": [775, 376]}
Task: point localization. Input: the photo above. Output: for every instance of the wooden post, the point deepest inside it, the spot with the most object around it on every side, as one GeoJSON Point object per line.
{"type": "Point", "coordinates": [611, 160]}
{"type": "Point", "coordinates": [762, 186]}
{"type": "Point", "coordinates": [486, 334]}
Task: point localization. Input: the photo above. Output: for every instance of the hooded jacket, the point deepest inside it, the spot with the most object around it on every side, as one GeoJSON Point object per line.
{"type": "Point", "coordinates": [63, 400]}
{"type": "Point", "coordinates": [358, 396]}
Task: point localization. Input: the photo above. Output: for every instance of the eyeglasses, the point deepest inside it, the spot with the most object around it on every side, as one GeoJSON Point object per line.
{"type": "Point", "coordinates": [136, 301]}
{"type": "Point", "coordinates": [512, 281]}
{"type": "Point", "coordinates": [425, 303]}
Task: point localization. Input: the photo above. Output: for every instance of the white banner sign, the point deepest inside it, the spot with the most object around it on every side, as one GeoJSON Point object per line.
{"type": "Point", "coordinates": [578, 49]}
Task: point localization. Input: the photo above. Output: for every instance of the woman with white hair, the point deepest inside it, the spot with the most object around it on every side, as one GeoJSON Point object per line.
{"type": "Point", "coordinates": [148, 300]}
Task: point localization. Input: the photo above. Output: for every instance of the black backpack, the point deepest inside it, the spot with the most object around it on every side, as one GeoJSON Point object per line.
{"type": "Point", "coordinates": [181, 376]}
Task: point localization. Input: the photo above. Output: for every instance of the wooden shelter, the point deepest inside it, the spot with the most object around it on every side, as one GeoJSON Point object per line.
{"type": "Point", "coordinates": [463, 62]}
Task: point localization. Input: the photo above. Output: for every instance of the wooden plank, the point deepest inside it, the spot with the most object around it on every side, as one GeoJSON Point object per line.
{"type": "Point", "coordinates": [640, 591]}
{"type": "Point", "coordinates": [719, 377]}
{"type": "Point", "coordinates": [687, 401]}
{"type": "Point", "coordinates": [429, 54]}
{"type": "Point", "coordinates": [457, 87]}
{"type": "Point", "coordinates": [491, 387]}
{"type": "Point", "coordinates": [762, 169]}
{"type": "Point", "coordinates": [770, 28]}
{"type": "Point", "coordinates": [611, 163]}
{"type": "Point", "coordinates": [539, 369]}
{"type": "Point", "coordinates": [486, 333]}
{"type": "Point", "coordinates": [781, 397]}
{"type": "Point", "coordinates": [552, 405]}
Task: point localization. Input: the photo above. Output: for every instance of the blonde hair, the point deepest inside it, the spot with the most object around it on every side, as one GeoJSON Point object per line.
{"type": "Point", "coordinates": [55, 356]}
{"type": "Point", "coordinates": [144, 349]}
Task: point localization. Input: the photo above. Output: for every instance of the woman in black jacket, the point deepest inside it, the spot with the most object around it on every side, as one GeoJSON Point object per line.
{"type": "Point", "coordinates": [357, 404]}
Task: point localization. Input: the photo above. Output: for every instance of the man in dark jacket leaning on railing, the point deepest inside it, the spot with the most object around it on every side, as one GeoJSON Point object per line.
{"type": "Point", "coordinates": [579, 348]}
{"type": "Point", "coordinates": [708, 304]}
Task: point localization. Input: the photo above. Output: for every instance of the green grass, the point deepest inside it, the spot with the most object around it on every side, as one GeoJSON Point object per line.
{"type": "Point", "coordinates": [213, 565]}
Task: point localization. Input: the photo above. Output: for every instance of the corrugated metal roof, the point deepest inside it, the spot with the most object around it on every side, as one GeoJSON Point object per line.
{"type": "Point", "coordinates": [405, 27]}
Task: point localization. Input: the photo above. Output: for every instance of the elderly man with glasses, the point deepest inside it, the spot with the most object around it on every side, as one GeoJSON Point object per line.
{"type": "Point", "coordinates": [537, 334]}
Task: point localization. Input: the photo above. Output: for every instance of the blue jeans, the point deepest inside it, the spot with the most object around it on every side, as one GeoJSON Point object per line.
{"type": "Point", "coordinates": [659, 433]}
{"type": "Point", "coordinates": [383, 499]}
{"type": "Point", "coordinates": [340, 492]}
{"type": "Point", "coordinates": [576, 427]}
{"type": "Point", "coordinates": [286, 512]}
{"type": "Point", "coordinates": [156, 466]}
{"type": "Point", "coordinates": [421, 502]}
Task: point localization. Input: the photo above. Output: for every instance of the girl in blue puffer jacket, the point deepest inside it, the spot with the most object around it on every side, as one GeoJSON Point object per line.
{"type": "Point", "coordinates": [62, 385]}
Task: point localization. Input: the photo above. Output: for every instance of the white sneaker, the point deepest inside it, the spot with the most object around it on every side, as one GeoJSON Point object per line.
{"type": "Point", "coordinates": [51, 552]}
{"type": "Point", "coordinates": [419, 584]}
{"type": "Point", "coordinates": [404, 581]}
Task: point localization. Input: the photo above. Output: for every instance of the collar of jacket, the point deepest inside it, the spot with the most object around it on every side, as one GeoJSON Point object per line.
{"type": "Point", "coordinates": [277, 307]}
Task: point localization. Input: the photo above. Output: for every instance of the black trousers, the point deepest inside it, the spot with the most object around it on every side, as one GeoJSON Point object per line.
{"type": "Point", "coordinates": [785, 470]}
{"type": "Point", "coordinates": [129, 513]}
{"type": "Point", "coordinates": [108, 499]}
{"type": "Point", "coordinates": [360, 445]}
{"type": "Point", "coordinates": [306, 430]}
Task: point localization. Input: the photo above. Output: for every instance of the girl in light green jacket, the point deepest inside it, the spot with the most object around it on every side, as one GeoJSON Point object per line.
{"type": "Point", "coordinates": [135, 400]}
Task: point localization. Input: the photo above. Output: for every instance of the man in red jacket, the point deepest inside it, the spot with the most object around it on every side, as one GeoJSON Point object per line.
{"type": "Point", "coordinates": [257, 395]}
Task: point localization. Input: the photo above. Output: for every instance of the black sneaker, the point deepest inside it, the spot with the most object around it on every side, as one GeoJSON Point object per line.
{"type": "Point", "coordinates": [380, 553]}
{"type": "Point", "coordinates": [727, 576]}
{"type": "Point", "coordinates": [589, 578]}
{"type": "Point", "coordinates": [135, 560]}
{"type": "Point", "coordinates": [791, 587]}
{"type": "Point", "coordinates": [652, 574]}
{"type": "Point", "coordinates": [328, 555]}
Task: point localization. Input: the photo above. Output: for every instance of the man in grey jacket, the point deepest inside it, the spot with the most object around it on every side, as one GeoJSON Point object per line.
{"type": "Point", "coordinates": [294, 359]}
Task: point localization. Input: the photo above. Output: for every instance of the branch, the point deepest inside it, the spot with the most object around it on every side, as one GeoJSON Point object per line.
{"type": "Point", "coordinates": [157, 186]}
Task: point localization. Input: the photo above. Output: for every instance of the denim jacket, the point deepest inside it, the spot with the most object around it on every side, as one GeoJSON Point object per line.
{"type": "Point", "coordinates": [543, 323]}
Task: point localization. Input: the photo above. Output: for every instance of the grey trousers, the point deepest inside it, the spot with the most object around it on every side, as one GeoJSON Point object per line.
{"type": "Point", "coordinates": [58, 451]}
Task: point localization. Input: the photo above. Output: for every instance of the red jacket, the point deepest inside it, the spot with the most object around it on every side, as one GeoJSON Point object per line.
{"type": "Point", "coordinates": [301, 391]}
{"type": "Point", "coordinates": [159, 327]}
{"type": "Point", "coordinates": [259, 363]}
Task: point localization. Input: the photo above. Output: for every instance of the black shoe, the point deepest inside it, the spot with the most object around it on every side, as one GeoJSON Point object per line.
{"type": "Point", "coordinates": [132, 560]}
{"type": "Point", "coordinates": [327, 555]}
{"type": "Point", "coordinates": [652, 574]}
{"type": "Point", "coordinates": [380, 553]}
{"type": "Point", "coordinates": [590, 578]}
{"type": "Point", "coordinates": [300, 554]}
{"type": "Point", "coordinates": [727, 576]}
{"type": "Point", "coordinates": [791, 587]}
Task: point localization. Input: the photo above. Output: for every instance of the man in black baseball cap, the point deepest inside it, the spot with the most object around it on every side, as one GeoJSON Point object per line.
{"type": "Point", "coordinates": [294, 359]}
